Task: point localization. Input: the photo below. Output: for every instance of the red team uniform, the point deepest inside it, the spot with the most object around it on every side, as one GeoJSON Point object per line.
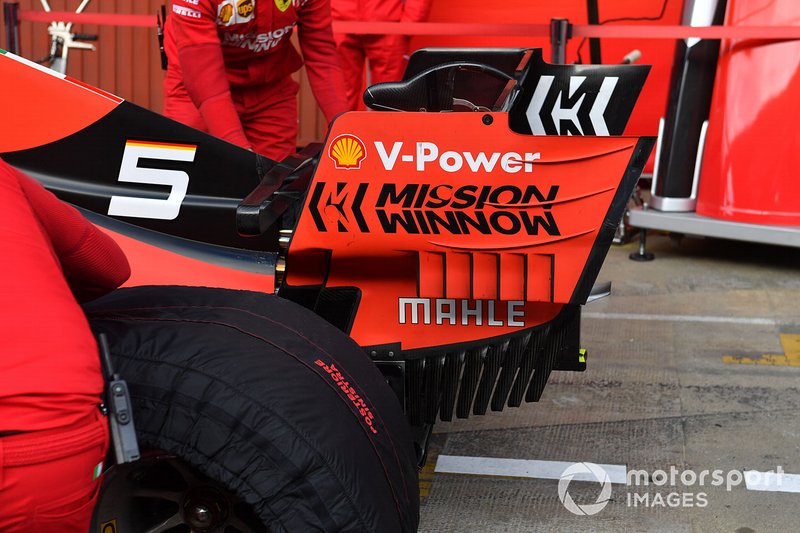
{"type": "Point", "coordinates": [52, 434]}
{"type": "Point", "coordinates": [386, 53]}
{"type": "Point", "coordinates": [230, 66]}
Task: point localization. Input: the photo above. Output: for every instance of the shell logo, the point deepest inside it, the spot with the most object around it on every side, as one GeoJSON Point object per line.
{"type": "Point", "coordinates": [225, 13]}
{"type": "Point", "coordinates": [347, 152]}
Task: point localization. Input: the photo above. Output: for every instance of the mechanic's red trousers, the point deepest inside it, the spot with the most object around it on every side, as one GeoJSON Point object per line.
{"type": "Point", "coordinates": [268, 114]}
{"type": "Point", "coordinates": [387, 62]}
{"type": "Point", "coordinates": [49, 479]}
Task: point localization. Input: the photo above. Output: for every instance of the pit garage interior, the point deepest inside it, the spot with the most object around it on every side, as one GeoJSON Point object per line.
{"type": "Point", "coordinates": [688, 404]}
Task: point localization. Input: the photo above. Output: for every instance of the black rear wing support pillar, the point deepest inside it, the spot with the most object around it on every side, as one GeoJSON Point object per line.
{"type": "Point", "coordinates": [560, 33]}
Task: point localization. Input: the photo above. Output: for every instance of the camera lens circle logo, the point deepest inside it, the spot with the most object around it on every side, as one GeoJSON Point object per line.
{"type": "Point", "coordinates": [587, 472]}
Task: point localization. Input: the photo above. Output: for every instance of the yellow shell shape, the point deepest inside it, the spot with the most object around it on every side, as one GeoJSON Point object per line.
{"type": "Point", "coordinates": [226, 13]}
{"type": "Point", "coordinates": [347, 152]}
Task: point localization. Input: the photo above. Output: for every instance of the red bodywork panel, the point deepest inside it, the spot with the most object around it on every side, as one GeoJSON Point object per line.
{"type": "Point", "coordinates": [752, 149]}
{"type": "Point", "coordinates": [153, 265]}
{"type": "Point", "coordinates": [71, 105]}
{"type": "Point", "coordinates": [487, 231]}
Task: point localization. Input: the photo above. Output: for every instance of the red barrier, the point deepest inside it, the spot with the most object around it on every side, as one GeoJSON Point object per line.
{"type": "Point", "coordinates": [638, 31]}
{"type": "Point", "coordinates": [101, 19]}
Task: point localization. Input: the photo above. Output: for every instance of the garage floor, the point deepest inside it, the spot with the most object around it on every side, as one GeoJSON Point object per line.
{"type": "Point", "coordinates": [694, 363]}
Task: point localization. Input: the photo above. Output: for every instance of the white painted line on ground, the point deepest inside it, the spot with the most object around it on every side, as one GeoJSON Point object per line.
{"type": "Point", "coordinates": [686, 318]}
{"type": "Point", "coordinates": [771, 482]}
{"type": "Point", "coordinates": [530, 468]}
{"type": "Point", "coordinates": [534, 468]}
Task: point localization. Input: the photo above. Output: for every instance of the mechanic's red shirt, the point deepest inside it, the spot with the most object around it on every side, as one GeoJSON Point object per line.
{"type": "Point", "coordinates": [49, 365]}
{"type": "Point", "coordinates": [381, 10]}
{"type": "Point", "coordinates": [216, 45]}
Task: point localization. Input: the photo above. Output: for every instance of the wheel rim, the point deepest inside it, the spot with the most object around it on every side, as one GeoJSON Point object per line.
{"type": "Point", "coordinates": [160, 493]}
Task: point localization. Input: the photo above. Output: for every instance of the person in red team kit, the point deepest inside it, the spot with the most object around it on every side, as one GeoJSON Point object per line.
{"type": "Point", "coordinates": [230, 64]}
{"type": "Point", "coordinates": [386, 53]}
{"type": "Point", "coordinates": [53, 438]}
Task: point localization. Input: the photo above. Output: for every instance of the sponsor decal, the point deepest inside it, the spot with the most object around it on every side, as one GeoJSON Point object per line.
{"type": "Point", "coordinates": [186, 12]}
{"type": "Point", "coordinates": [425, 209]}
{"type": "Point", "coordinates": [347, 152]}
{"type": "Point", "coordinates": [340, 204]}
{"type": "Point", "coordinates": [231, 12]}
{"type": "Point", "coordinates": [352, 395]}
{"type": "Point", "coordinates": [224, 14]}
{"type": "Point", "coordinates": [461, 312]}
{"type": "Point", "coordinates": [130, 172]}
{"type": "Point", "coordinates": [244, 8]}
{"type": "Point", "coordinates": [109, 527]}
{"type": "Point", "coordinates": [580, 110]}
{"type": "Point", "coordinates": [416, 208]}
{"type": "Point", "coordinates": [193, 2]}
{"type": "Point", "coordinates": [425, 155]}
{"type": "Point", "coordinates": [259, 42]}
{"type": "Point", "coordinates": [465, 210]}
{"type": "Point", "coordinates": [283, 5]}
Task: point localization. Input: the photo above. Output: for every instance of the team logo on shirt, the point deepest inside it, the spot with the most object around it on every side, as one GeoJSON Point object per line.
{"type": "Point", "coordinates": [230, 12]}
{"type": "Point", "coordinates": [245, 8]}
{"type": "Point", "coordinates": [347, 152]}
{"type": "Point", "coordinates": [186, 12]}
{"type": "Point", "coordinates": [224, 14]}
{"type": "Point", "coordinates": [283, 5]}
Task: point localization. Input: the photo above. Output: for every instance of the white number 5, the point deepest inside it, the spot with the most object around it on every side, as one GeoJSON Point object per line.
{"type": "Point", "coordinates": [131, 172]}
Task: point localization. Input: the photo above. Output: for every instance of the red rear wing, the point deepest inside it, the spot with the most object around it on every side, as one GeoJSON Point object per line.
{"type": "Point", "coordinates": [453, 228]}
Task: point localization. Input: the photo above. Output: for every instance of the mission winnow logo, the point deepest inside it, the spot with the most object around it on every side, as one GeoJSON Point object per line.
{"type": "Point", "coordinates": [422, 208]}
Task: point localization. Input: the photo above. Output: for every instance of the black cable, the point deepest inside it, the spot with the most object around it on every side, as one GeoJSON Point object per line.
{"type": "Point", "coordinates": [621, 19]}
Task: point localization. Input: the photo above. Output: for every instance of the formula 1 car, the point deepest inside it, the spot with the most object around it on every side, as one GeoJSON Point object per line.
{"type": "Point", "coordinates": [293, 329]}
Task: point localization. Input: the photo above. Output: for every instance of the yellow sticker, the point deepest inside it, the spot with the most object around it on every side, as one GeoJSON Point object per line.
{"type": "Point", "coordinates": [109, 527]}
{"type": "Point", "coordinates": [283, 5]}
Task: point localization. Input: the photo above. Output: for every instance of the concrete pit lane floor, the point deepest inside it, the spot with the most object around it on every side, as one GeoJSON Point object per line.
{"type": "Point", "coordinates": [693, 366]}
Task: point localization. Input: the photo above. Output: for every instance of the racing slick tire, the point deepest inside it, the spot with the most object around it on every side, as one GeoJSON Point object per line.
{"type": "Point", "coordinates": [268, 400]}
